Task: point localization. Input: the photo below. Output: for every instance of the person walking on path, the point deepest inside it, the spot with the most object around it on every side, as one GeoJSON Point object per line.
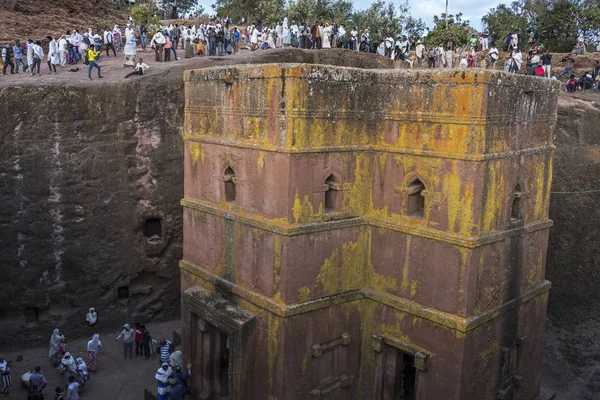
{"type": "Point", "coordinates": [18, 53]}
{"type": "Point", "coordinates": [166, 348]}
{"type": "Point", "coordinates": [128, 335]}
{"type": "Point", "coordinates": [138, 329]}
{"type": "Point", "coordinates": [5, 367]}
{"type": "Point", "coordinates": [92, 55]}
{"type": "Point", "coordinates": [158, 42]}
{"type": "Point", "coordinates": [55, 340]}
{"type": "Point", "coordinates": [162, 376]}
{"type": "Point", "coordinates": [72, 389]}
{"type": "Point", "coordinates": [146, 341]}
{"type": "Point", "coordinates": [108, 42]}
{"type": "Point", "coordinates": [93, 347]}
{"type": "Point", "coordinates": [37, 381]}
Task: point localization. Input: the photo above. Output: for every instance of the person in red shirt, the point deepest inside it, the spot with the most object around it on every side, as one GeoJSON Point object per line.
{"type": "Point", "coordinates": [139, 350]}
{"type": "Point", "coordinates": [539, 71]}
{"type": "Point", "coordinates": [572, 85]}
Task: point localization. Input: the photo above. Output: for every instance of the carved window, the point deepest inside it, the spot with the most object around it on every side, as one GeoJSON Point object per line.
{"type": "Point", "coordinates": [153, 228]}
{"type": "Point", "coordinates": [416, 200]}
{"type": "Point", "coordinates": [516, 213]}
{"type": "Point", "coordinates": [333, 194]}
{"type": "Point", "coordinates": [229, 178]}
{"type": "Point", "coordinates": [123, 292]}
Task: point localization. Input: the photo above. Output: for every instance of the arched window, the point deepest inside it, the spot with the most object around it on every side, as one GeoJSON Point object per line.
{"type": "Point", "coordinates": [229, 178]}
{"type": "Point", "coordinates": [416, 200]}
{"type": "Point", "coordinates": [333, 194]}
{"type": "Point", "coordinates": [516, 213]}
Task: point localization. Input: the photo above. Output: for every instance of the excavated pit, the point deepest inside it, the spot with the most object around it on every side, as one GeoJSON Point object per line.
{"type": "Point", "coordinates": [92, 177]}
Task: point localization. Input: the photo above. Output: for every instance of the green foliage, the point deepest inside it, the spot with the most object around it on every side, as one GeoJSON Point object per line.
{"type": "Point", "coordinates": [146, 14]}
{"type": "Point", "coordinates": [558, 22]}
{"type": "Point", "coordinates": [460, 30]}
{"type": "Point", "coordinates": [380, 17]}
{"type": "Point", "coordinates": [266, 11]}
{"type": "Point", "coordinates": [178, 8]}
{"type": "Point", "coordinates": [503, 20]}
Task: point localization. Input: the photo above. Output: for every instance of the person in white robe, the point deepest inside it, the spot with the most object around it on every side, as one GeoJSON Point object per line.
{"type": "Point", "coordinates": [62, 51]}
{"type": "Point", "coordinates": [286, 34]}
{"type": "Point", "coordinates": [326, 34]}
{"type": "Point", "coordinates": [279, 33]}
{"type": "Point", "coordinates": [130, 50]}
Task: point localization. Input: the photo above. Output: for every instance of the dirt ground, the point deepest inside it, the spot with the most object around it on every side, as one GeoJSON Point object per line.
{"type": "Point", "coordinates": [115, 379]}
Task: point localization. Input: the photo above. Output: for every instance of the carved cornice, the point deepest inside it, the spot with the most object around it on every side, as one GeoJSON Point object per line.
{"type": "Point", "coordinates": [452, 321]}
{"type": "Point", "coordinates": [285, 228]}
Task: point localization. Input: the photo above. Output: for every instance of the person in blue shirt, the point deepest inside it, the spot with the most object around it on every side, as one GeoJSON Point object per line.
{"type": "Point", "coordinates": [236, 40]}
{"type": "Point", "coordinates": [18, 52]}
{"type": "Point", "coordinates": [180, 388]}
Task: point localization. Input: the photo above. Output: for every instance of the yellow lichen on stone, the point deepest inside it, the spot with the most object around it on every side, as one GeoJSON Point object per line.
{"type": "Point", "coordinates": [414, 286]}
{"type": "Point", "coordinates": [196, 152]}
{"type": "Point", "coordinates": [304, 293]}
{"type": "Point", "coordinates": [260, 160]}
{"type": "Point", "coordinates": [272, 346]}
{"type": "Point", "coordinates": [349, 268]}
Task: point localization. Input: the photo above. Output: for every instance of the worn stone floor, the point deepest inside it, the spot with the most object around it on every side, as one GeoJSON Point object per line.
{"type": "Point", "coordinates": [115, 378]}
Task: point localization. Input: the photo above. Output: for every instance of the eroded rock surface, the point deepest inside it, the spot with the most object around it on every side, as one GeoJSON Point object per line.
{"type": "Point", "coordinates": [91, 177]}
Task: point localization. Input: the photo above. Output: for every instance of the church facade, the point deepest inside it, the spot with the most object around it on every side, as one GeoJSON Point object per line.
{"type": "Point", "coordinates": [365, 234]}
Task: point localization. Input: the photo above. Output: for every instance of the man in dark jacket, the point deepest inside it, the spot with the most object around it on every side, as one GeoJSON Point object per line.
{"type": "Point", "coordinates": [7, 59]}
{"type": "Point", "coordinates": [315, 32]}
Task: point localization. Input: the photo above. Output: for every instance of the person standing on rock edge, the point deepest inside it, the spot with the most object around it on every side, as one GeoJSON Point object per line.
{"type": "Point", "coordinates": [7, 59]}
{"type": "Point", "coordinates": [53, 59]}
{"type": "Point", "coordinates": [128, 336]}
{"type": "Point", "coordinates": [157, 43]}
{"type": "Point", "coordinates": [108, 42]}
{"type": "Point", "coordinates": [146, 341]}
{"type": "Point", "coordinates": [5, 367]}
{"type": "Point", "coordinates": [92, 63]}
{"type": "Point", "coordinates": [18, 53]}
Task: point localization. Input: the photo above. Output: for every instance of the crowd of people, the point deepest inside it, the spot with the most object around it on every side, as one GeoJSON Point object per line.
{"type": "Point", "coordinates": [171, 377]}
{"type": "Point", "coordinates": [219, 38]}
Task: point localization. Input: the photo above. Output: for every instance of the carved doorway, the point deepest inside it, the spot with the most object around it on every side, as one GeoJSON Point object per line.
{"type": "Point", "coordinates": [211, 359]}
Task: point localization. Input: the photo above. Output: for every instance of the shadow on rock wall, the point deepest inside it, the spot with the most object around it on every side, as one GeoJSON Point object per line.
{"type": "Point", "coordinates": [571, 348]}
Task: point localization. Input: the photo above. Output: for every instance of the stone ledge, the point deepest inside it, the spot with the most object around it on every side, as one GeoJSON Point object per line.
{"type": "Point", "coordinates": [376, 148]}
{"type": "Point", "coordinates": [452, 321]}
{"type": "Point", "coordinates": [286, 228]}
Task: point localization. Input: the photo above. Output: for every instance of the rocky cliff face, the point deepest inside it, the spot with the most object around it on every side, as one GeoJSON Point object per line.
{"type": "Point", "coordinates": [572, 347]}
{"type": "Point", "coordinates": [91, 180]}
{"type": "Point", "coordinates": [91, 177]}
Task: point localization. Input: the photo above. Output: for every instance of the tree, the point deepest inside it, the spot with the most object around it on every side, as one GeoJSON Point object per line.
{"type": "Point", "coordinates": [503, 20]}
{"type": "Point", "coordinates": [266, 11]}
{"type": "Point", "coordinates": [457, 27]}
{"type": "Point", "coordinates": [178, 8]}
{"type": "Point", "coordinates": [385, 18]}
{"type": "Point", "coordinates": [146, 14]}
